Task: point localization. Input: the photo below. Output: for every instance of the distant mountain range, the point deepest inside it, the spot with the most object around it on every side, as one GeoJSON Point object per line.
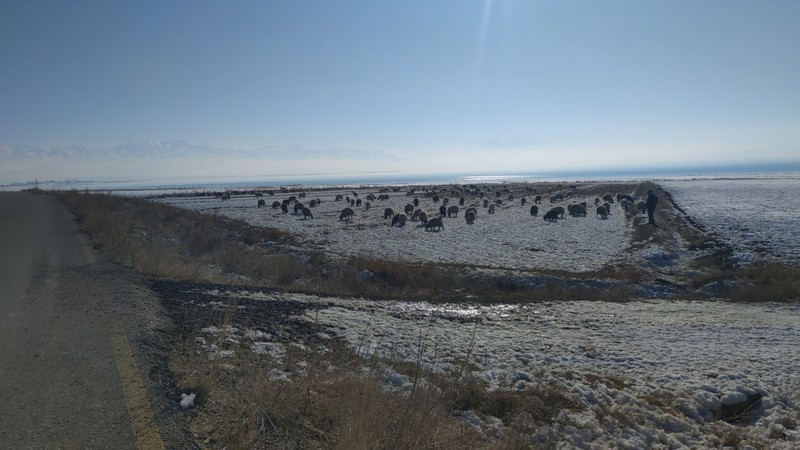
{"type": "Point", "coordinates": [178, 150]}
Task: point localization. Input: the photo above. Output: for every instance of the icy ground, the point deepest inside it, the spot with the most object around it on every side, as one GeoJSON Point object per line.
{"type": "Point", "coordinates": [760, 218]}
{"type": "Point", "coordinates": [649, 374]}
{"type": "Point", "coordinates": [509, 239]}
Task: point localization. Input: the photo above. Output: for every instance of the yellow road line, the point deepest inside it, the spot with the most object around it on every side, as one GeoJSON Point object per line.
{"type": "Point", "coordinates": [136, 398]}
{"type": "Point", "coordinates": [87, 249]}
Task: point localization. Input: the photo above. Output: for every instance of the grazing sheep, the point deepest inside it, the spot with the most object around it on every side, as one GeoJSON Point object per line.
{"type": "Point", "coordinates": [259, 195]}
{"type": "Point", "coordinates": [522, 201]}
{"type": "Point", "coordinates": [285, 208]}
{"type": "Point", "coordinates": [445, 201]}
{"type": "Point", "coordinates": [560, 210]}
{"type": "Point", "coordinates": [602, 212]}
{"type": "Point", "coordinates": [416, 202]}
{"type": "Point", "coordinates": [537, 199]}
{"type": "Point", "coordinates": [461, 201]}
{"type": "Point", "coordinates": [423, 217]}
{"type": "Point", "coordinates": [352, 202]}
{"type": "Point", "coordinates": [307, 213]}
{"type": "Point", "coordinates": [473, 209]}
{"type": "Point", "coordinates": [452, 211]}
{"type": "Point", "coordinates": [370, 197]}
{"type": "Point", "coordinates": [409, 208]}
{"type": "Point", "coordinates": [577, 210]}
{"type": "Point", "coordinates": [435, 199]}
{"type": "Point", "coordinates": [596, 201]}
{"type": "Point", "coordinates": [276, 204]}
{"type": "Point", "coordinates": [627, 197]}
{"type": "Point", "coordinates": [470, 216]}
{"type": "Point", "coordinates": [551, 216]}
{"type": "Point", "coordinates": [434, 224]}
{"type": "Point", "coordinates": [491, 208]}
{"type": "Point", "coordinates": [292, 199]}
{"type": "Point", "coordinates": [399, 219]}
{"type": "Point", "coordinates": [339, 197]}
{"type": "Point", "coordinates": [556, 198]}
{"type": "Point", "coordinates": [625, 204]}
{"type": "Point", "coordinates": [313, 203]}
{"type": "Point", "coordinates": [388, 212]}
{"type": "Point", "coordinates": [367, 205]}
{"type": "Point", "coordinates": [608, 198]}
{"type": "Point", "coordinates": [534, 210]}
{"type": "Point", "coordinates": [298, 207]}
{"type": "Point", "coordinates": [346, 214]}
{"type": "Point", "coordinates": [443, 210]}
{"type": "Point", "coordinates": [358, 202]}
{"type": "Point", "coordinates": [262, 203]}
{"type": "Point", "coordinates": [608, 208]}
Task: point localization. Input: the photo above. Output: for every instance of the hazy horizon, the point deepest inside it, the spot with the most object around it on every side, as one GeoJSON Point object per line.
{"type": "Point", "coordinates": [200, 88]}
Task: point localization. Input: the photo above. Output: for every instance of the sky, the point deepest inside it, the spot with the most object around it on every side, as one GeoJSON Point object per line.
{"type": "Point", "coordinates": [450, 85]}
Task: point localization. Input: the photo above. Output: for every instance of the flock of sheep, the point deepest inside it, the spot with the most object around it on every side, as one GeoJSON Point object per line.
{"type": "Point", "coordinates": [449, 200]}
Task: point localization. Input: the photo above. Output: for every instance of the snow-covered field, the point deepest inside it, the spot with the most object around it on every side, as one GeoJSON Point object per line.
{"type": "Point", "coordinates": [508, 239]}
{"type": "Point", "coordinates": [649, 374]}
{"type": "Point", "coordinates": [759, 217]}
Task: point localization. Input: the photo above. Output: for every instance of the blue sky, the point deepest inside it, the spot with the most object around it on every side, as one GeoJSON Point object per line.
{"type": "Point", "coordinates": [437, 85]}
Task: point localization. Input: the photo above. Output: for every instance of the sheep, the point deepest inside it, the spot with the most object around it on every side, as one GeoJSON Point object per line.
{"type": "Point", "coordinates": [461, 201]}
{"type": "Point", "coordinates": [602, 212]}
{"type": "Point", "coordinates": [307, 213]}
{"type": "Point", "coordinates": [443, 210]}
{"type": "Point", "coordinates": [452, 211]}
{"type": "Point", "coordinates": [577, 210]}
{"type": "Point", "coordinates": [339, 197]}
{"type": "Point", "coordinates": [262, 203]}
{"type": "Point", "coordinates": [434, 224]}
{"type": "Point", "coordinates": [534, 210]}
{"type": "Point", "coordinates": [358, 202]}
{"type": "Point", "coordinates": [388, 212]}
{"type": "Point", "coordinates": [276, 204]}
{"type": "Point", "coordinates": [560, 211]}
{"type": "Point", "coordinates": [522, 201]}
{"type": "Point", "coordinates": [416, 202]}
{"type": "Point", "coordinates": [491, 208]}
{"type": "Point", "coordinates": [551, 216]}
{"type": "Point", "coordinates": [399, 219]}
{"type": "Point", "coordinates": [285, 207]}
{"type": "Point", "coordinates": [409, 208]}
{"type": "Point", "coordinates": [298, 207]}
{"type": "Point", "coordinates": [423, 217]}
{"type": "Point", "coordinates": [313, 203]}
{"type": "Point", "coordinates": [608, 198]}
{"type": "Point", "coordinates": [346, 214]}
{"type": "Point", "coordinates": [608, 208]}
{"type": "Point", "coordinates": [370, 197]}
{"type": "Point", "coordinates": [485, 202]}
{"type": "Point", "coordinates": [473, 209]}
{"type": "Point", "coordinates": [445, 201]}
{"type": "Point", "coordinates": [367, 205]}
{"type": "Point", "coordinates": [470, 216]}
{"type": "Point", "coordinates": [537, 199]}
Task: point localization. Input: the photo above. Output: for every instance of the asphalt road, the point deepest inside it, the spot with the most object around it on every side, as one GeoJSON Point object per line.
{"type": "Point", "coordinates": [68, 376]}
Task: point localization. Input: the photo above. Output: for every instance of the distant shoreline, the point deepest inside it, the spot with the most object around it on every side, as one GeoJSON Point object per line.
{"type": "Point", "coordinates": [369, 179]}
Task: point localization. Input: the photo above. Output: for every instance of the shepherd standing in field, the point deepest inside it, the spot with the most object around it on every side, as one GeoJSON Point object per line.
{"type": "Point", "coordinates": [651, 202]}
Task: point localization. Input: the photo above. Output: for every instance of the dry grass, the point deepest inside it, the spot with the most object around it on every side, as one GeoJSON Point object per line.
{"type": "Point", "coordinates": [337, 401]}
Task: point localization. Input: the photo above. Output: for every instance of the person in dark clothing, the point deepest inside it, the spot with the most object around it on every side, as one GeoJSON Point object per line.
{"type": "Point", "coordinates": [650, 203]}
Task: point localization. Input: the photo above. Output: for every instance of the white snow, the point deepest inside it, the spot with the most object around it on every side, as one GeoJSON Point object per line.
{"type": "Point", "coordinates": [760, 218]}
{"type": "Point", "coordinates": [187, 400]}
{"type": "Point", "coordinates": [660, 369]}
{"type": "Point", "coordinates": [508, 239]}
